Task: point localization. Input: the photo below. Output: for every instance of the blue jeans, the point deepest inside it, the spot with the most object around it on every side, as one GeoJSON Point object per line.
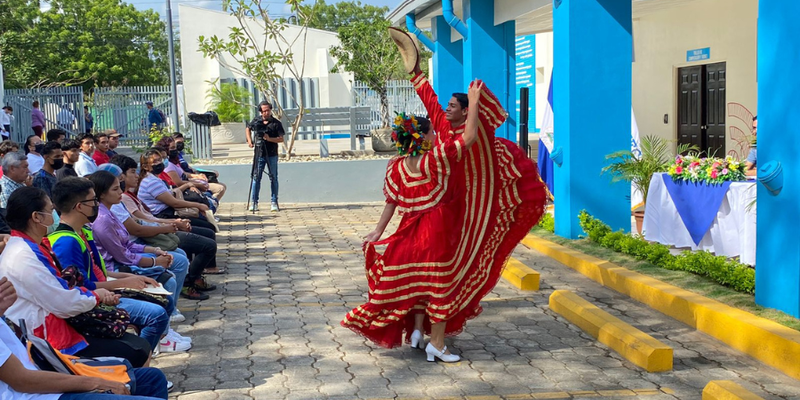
{"type": "Point", "coordinates": [151, 384]}
{"type": "Point", "coordinates": [273, 177]}
{"type": "Point", "coordinates": [171, 285]}
{"type": "Point", "coordinates": [151, 319]}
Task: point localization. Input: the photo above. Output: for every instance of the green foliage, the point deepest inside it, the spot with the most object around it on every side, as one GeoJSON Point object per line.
{"type": "Point", "coordinates": [87, 42]}
{"type": "Point", "coordinates": [547, 222]}
{"type": "Point", "coordinates": [728, 273]}
{"type": "Point", "coordinates": [231, 102]}
{"type": "Point", "coordinates": [331, 17]}
{"type": "Point", "coordinates": [656, 157]}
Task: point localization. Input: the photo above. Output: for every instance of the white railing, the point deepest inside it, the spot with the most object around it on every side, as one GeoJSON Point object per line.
{"type": "Point", "coordinates": [402, 98]}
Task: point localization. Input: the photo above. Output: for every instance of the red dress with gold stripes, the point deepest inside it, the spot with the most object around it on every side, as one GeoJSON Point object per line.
{"type": "Point", "coordinates": [462, 215]}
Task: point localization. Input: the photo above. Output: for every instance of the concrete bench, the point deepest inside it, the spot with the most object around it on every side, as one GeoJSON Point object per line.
{"type": "Point", "coordinates": [331, 123]}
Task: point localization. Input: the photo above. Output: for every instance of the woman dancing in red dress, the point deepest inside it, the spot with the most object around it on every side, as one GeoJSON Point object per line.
{"type": "Point", "coordinates": [465, 205]}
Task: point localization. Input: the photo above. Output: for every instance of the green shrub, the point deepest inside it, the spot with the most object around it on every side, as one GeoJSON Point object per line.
{"type": "Point", "coordinates": [728, 273]}
{"type": "Point", "coordinates": [547, 223]}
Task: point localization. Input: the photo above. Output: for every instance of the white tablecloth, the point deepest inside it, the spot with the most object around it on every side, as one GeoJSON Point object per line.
{"type": "Point", "coordinates": [733, 232]}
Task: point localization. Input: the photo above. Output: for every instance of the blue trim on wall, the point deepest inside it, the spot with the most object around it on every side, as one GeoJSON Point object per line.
{"type": "Point", "coordinates": [777, 230]}
{"type": "Point", "coordinates": [592, 109]}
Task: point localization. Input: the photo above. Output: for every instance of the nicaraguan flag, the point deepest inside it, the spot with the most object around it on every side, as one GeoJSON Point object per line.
{"type": "Point", "coordinates": [546, 142]}
{"type": "Point", "coordinates": [637, 199]}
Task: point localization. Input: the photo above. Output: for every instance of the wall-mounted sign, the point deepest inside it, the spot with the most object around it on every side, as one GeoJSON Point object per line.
{"type": "Point", "coordinates": [698, 54]}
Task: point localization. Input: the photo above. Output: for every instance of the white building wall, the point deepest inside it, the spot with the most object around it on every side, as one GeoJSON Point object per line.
{"type": "Point", "coordinates": [199, 72]}
{"type": "Point", "coordinates": [544, 67]}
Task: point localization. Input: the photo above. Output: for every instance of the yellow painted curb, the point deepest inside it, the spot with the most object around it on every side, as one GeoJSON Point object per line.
{"type": "Point", "coordinates": [765, 340]}
{"type": "Point", "coordinates": [520, 275]}
{"type": "Point", "coordinates": [631, 343]}
{"type": "Point", "coordinates": [727, 390]}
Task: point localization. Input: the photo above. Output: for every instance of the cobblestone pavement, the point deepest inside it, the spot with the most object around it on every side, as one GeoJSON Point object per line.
{"type": "Point", "coordinates": [271, 331]}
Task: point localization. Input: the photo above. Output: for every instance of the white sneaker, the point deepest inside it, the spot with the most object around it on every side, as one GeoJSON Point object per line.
{"type": "Point", "coordinates": [253, 207]}
{"type": "Point", "coordinates": [170, 386]}
{"type": "Point", "coordinates": [274, 207]}
{"type": "Point", "coordinates": [176, 337]}
{"type": "Point", "coordinates": [171, 346]}
{"type": "Point", "coordinates": [177, 317]}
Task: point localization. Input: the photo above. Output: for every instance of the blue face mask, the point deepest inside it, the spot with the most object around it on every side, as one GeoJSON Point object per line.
{"type": "Point", "coordinates": [56, 222]}
{"type": "Point", "coordinates": [165, 162]}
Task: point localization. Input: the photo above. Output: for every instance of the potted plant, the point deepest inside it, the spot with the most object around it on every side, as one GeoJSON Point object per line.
{"type": "Point", "coordinates": [232, 103]}
{"type": "Point", "coordinates": [656, 157]}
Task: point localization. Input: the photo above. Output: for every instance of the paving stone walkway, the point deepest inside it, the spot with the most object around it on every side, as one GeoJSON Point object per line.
{"type": "Point", "coordinates": [271, 330]}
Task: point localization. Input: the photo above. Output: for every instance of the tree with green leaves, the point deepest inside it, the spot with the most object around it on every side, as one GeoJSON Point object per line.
{"type": "Point", "coordinates": [87, 42]}
{"type": "Point", "coordinates": [264, 49]}
{"type": "Point", "coordinates": [331, 17]}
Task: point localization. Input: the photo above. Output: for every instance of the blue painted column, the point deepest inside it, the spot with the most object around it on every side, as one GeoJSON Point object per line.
{"type": "Point", "coordinates": [448, 69]}
{"type": "Point", "coordinates": [489, 55]}
{"type": "Point", "coordinates": [778, 230]}
{"type": "Point", "coordinates": [592, 109]}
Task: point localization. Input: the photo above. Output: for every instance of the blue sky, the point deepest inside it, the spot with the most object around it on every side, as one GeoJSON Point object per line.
{"type": "Point", "coordinates": [160, 5]}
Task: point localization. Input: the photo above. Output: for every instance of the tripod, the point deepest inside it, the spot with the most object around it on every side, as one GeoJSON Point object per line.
{"type": "Point", "coordinates": [254, 172]}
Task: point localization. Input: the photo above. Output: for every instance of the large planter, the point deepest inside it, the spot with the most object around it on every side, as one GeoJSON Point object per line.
{"type": "Point", "coordinates": [639, 217]}
{"type": "Point", "coordinates": [382, 140]}
{"type": "Point", "coordinates": [228, 132]}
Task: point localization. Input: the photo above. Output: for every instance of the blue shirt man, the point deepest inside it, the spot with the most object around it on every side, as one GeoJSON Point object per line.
{"type": "Point", "coordinates": [153, 116]}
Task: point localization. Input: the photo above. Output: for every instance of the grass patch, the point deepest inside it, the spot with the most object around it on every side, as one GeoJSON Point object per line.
{"type": "Point", "coordinates": [686, 280]}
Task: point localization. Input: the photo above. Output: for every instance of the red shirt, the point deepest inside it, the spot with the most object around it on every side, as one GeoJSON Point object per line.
{"type": "Point", "coordinates": [100, 157]}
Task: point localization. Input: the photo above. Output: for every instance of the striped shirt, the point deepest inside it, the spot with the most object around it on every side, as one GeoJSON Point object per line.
{"type": "Point", "coordinates": [150, 188]}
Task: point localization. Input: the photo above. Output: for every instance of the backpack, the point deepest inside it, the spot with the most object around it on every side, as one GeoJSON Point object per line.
{"type": "Point", "coordinates": [163, 116]}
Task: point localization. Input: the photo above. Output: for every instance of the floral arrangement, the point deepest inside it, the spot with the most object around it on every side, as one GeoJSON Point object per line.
{"type": "Point", "coordinates": [709, 170]}
{"type": "Point", "coordinates": [405, 133]}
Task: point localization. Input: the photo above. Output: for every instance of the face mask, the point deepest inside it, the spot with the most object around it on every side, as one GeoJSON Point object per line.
{"type": "Point", "coordinates": [158, 169]}
{"type": "Point", "coordinates": [56, 222]}
{"type": "Point", "coordinates": [165, 162]}
{"type": "Point", "coordinates": [38, 148]}
{"type": "Point", "coordinates": [57, 164]}
{"type": "Point", "coordinates": [93, 217]}
{"type": "Point", "coordinates": [173, 154]}
{"type": "Point", "coordinates": [179, 146]}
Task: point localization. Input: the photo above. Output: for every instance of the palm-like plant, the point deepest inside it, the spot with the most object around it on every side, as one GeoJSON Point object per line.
{"type": "Point", "coordinates": [656, 157]}
{"type": "Point", "coordinates": [231, 102]}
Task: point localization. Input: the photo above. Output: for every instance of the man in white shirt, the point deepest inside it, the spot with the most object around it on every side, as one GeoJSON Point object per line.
{"type": "Point", "coordinates": [5, 122]}
{"type": "Point", "coordinates": [86, 165]}
{"type": "Point", "coordinates": [66, 119]}
{"type": "Point", "coordinates": [33, 148]}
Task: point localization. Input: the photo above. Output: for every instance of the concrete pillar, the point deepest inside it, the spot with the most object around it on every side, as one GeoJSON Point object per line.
{"type": "Point", "coordinates": [489, 55]}
{"type": "Point", "coordinates": [592, 109]}
{"type": "Point", "coordinates": [778, 231]}
{"type": "Point", "coordinates": [448, 68]}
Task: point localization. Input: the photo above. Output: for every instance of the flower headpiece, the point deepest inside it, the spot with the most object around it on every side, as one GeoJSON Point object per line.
{"type": "Point", "coordinates": [407, 136]}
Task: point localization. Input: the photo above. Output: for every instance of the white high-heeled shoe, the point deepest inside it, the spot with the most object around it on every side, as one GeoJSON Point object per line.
{"type": "Point", "coordinates": [434, 353]}
{"type": "Point", "coordinates": [416, 338]}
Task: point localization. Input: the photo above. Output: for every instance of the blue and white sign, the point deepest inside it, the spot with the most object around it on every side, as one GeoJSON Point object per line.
{"type": "Point", "coordinates": [698, 54]}
{"type": "Point", "coordinates": [526, 74]}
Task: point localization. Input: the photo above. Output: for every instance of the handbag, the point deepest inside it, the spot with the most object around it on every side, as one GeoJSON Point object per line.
{"type": "Point", "coordinates": [103, 321]}
{"type": "Point", "coordinates": [184, 212]}
{"type": "Point", "coordinates": [141, 295]}
{"type": "Point", "coordinates": [166, 241]}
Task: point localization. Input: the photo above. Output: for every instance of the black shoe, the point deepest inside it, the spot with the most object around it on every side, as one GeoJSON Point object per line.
{"type": "Point", "coordinates": [191, 293]}
{"type": "Point", "coordinates": [202, 285]}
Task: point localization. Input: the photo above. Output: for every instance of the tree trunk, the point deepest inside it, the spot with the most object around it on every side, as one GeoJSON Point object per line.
{"type": "Point", "coordinates": [385, 118]}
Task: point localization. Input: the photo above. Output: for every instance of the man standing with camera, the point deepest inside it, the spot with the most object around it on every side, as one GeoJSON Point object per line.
{"type": "Point", "coordinates": [264, 133]}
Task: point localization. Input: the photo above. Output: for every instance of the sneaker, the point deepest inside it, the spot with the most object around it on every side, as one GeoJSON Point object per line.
{"type": "Point", "coordinates": [202, 285]}
{"type": "Point", "coordinates": [253, 207]}
{"type": "Point", "coordinates": [274, 207]}
{"type": "Point", "coordinates": [171, 346]}
{"type": "Point", "coordinates": [176, 337]}
{"type": "Point", "coordinates": [189, 292]}
{"type": "Point", "coordinates": [170, 386]}
{"type": "Point", "coordinates": [177, 317]}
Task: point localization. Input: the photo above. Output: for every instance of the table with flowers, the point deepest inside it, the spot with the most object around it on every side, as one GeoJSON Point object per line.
{"type": "Point", "coordinates": [703, 204]}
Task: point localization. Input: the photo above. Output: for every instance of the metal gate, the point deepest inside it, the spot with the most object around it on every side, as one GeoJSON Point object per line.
{"type": "Point", "coordinates": [62, 108]}
{"type": "Point", "coordinates": [124, 109]}
{"type": "Point", "coordinates": [402, 98]}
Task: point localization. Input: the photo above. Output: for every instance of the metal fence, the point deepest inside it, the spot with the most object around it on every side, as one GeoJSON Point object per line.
{"type": "Point", "coordinates": [124, 109]}
{"type": "Point", "coordinates": [62, 108]}
{"type": "Point", "coordinates": [200, 137]}
{"type": "Point", "coordinates": [402, 98]}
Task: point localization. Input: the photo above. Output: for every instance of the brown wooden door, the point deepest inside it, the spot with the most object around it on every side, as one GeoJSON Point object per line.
{"type": "Point", "coordinates": [715, 109]}
{"type": "Point", "coordinates": [690, 106]}
{"type": "Point", "coordinates": [701, 108]}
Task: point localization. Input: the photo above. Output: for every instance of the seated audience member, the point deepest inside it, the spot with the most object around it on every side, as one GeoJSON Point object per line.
{"type": "Point", "coordinates": [156, 195]}
{"type": "Point", "coordinates": [195, 241]}
{"type": "Point", "coordinates": [33, 149]}
{"type": "Point", "coordinates": [15, 175]}
{"type": "Point", "coordinates": [100, 148]}
{"type": "Point", "coordinates": [113, 142]}
{"type": "Point", "coordinates": [20, 379]}
{"type": "Point", "coordinates": [71, 150]}
{"type": "Point", "coordinates": [73, 244]}
{"type": "Point", "coordinates": [46, 300]}
{"type": "Point", "coordinates": [180, 177]}
{"type": "Point", "coordinates": [210, 175]}
{"type": "Point", "coordinates": [56, 135]}
{"type": "Point", "coordinates": [114, 244]}
{"type": "Point", "coordinates": [46, 178]}
{"type": "Point", "coordinates": [6, 147]}
{"type": "Point", "coordinates": [85, 164]}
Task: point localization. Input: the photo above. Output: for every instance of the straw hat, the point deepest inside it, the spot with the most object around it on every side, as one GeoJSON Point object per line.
{"type": "Point", "coordinates": [408, 49]}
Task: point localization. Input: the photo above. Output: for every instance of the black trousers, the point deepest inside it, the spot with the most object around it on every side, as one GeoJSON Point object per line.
{"type": "Point", "coordinates": [130, 347]}
{"type": "Point", "coordinates": [201, 246]}
{"type": "Point", "coordinates": [169, 213]}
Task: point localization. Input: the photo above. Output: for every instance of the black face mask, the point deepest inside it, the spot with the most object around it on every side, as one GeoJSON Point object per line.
{"type": "Point", "coordinates": [179, 146]}
{"type": "Point", "coordinates": [173, 154]}
{"type": "Point", "coordinates": [57, 164]}
{"type": "Point", "coordinates": [158, 169]}
{"type": "Point", "coordinates": [92, 217]}
{"type": "Point", "coordinates": [38, 148]}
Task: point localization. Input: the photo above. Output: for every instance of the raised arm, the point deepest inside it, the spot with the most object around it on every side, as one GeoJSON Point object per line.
{"type": "Point", "coordinates": [435, 113]}
{"type": "Point", "coordinates": [474, 95]}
